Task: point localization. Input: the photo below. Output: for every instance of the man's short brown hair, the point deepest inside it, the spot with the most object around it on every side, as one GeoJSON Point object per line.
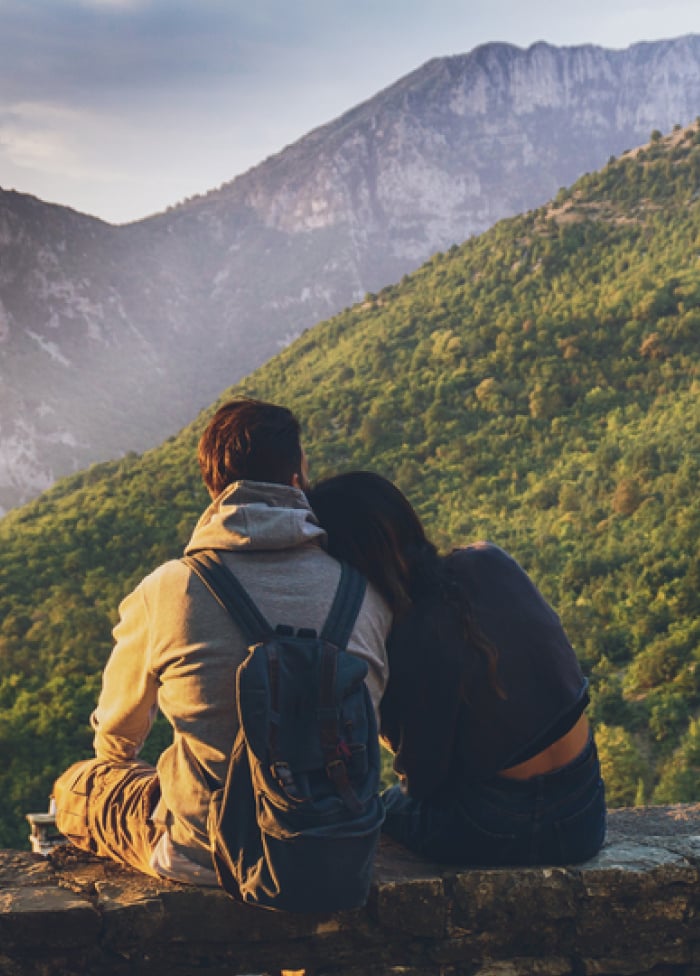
{"type": "Point", "coordinates": [250, 440]}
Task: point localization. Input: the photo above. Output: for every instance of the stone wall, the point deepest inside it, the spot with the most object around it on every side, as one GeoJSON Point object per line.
{"type": "Point", "coordinates": [634, 909]}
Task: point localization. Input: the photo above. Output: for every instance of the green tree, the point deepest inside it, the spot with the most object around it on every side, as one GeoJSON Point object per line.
{"type": "Point", "coordinates": [680, 776]}
{"type": "Point", "coordinates": [621, 764]}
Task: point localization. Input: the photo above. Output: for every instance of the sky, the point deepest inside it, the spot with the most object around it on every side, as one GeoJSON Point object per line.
{"type": "Point", "coordinates": [120, 108]}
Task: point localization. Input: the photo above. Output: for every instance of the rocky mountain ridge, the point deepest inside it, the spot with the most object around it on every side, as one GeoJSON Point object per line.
{"type": "Point", "coordinates": [113, 337]}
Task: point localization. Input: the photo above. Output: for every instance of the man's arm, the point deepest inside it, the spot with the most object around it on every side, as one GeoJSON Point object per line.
{"type": "Point", "coordinates": [368, 640]}
{"type": "Point", "coordinates": [129, 699]}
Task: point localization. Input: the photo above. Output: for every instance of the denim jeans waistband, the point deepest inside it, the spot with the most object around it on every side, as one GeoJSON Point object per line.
{"type": "Point", "coordinates": [586, 760]}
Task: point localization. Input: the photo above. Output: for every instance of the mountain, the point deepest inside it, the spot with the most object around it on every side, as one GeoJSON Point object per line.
{"type": "Point", "coordinates": [85, 312]}
{"type": "Point", "coordinates": [537, 386]}
{"type": "Point", "coordinates": [113, 337]}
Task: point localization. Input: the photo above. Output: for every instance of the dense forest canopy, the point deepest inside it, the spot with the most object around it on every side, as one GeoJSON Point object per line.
{"type": "Point", "coordinates": [536, 386]}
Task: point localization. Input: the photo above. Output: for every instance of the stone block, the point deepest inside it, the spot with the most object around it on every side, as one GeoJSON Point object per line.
{"type": "Point", "coordinates": [632, 911]}
{"type": "Point", "coordinates": [523, 966]}
{"type": "Point", "coordinates": [524, 911]}
{"type": "Point", "coordinates": [415, 907]}
{"type": "Point", "coordinates": [50, 917]}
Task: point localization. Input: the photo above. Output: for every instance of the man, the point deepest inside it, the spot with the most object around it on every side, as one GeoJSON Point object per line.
{"type": "Point", "coordinates": [177, 650]}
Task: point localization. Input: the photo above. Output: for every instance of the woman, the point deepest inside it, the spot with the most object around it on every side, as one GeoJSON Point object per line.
{"type": "Point", "coordinates": [485, 704]}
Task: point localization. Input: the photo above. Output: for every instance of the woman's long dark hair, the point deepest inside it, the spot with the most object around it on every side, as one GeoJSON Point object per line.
{"type": "Point", "coordinates": [372, 525]}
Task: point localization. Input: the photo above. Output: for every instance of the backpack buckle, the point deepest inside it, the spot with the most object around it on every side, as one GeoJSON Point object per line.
{"type": "Point", "coordinates": [343, 751]}
{"type": "Point", "coordinates": [285, 777]}
{"type": "Point", "coordinates": [338, 775]}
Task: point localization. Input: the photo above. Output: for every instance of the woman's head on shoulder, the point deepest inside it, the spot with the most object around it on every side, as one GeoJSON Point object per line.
{"type": "Point", "coordinates": [372, 525]}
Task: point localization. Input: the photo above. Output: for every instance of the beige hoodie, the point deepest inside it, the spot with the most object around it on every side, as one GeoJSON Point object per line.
{"type": "Point", "coordinates": [176, 649]}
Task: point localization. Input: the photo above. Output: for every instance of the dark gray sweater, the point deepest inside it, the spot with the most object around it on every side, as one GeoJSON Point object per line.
{"type": "Point", "coordinates": [441, 713]}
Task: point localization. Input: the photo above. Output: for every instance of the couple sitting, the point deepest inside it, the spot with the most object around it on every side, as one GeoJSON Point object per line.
{"type": "Point", "coordinates": [475, 685]}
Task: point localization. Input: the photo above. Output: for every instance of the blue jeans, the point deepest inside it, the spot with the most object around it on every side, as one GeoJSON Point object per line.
{"type": "Point", "coordinates": [558, 818]}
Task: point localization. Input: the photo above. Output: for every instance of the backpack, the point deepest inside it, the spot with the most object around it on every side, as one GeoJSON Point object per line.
{"type": "Point", "coordinates": [296, 824]}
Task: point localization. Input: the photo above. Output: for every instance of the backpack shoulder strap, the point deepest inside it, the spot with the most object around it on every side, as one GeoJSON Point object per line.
{"type": "Point", "coordinates": [336, 630]}
{"type": "Point", "coordinates": [345, 607]}
{"type": "Point", "coordinates": [229, 592]}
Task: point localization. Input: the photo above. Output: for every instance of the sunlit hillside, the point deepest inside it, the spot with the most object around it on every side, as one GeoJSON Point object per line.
{"type": "Point", "coordinates": [537, 386]}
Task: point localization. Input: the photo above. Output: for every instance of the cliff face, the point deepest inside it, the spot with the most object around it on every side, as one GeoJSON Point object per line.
{"type": "Point", "coordinates": [465, 141]}
{"type": "Point", "coordinates": [113, 337]}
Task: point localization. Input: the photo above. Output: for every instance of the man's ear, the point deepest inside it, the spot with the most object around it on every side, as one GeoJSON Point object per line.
{"type": "Point", "coordinates": [300, 479]}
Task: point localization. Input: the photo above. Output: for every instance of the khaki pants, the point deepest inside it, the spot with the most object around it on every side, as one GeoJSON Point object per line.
{"type": "Point", "coordinates": [106, 807]}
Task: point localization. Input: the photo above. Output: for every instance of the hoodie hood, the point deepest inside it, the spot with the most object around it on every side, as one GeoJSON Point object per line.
{"type": "Point", "coordinates": [254, 515]}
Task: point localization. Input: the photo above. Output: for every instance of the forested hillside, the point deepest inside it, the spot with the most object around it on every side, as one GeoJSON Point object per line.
{"type": "Point", "coordinates": [537, 386]}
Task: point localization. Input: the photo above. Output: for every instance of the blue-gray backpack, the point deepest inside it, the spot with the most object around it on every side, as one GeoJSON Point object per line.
{"type": "Point", "coordinates": [296, 824]}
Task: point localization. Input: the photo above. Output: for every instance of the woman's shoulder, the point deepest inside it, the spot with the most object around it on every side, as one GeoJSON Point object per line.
{"type": "Point", "coordinates": [482, 553]}
{"type": "Point", "coordinates": [493, 578]}
{"type": "Point", "coordinates": [484, 564]}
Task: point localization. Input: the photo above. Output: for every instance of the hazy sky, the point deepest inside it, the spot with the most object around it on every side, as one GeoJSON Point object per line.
{"type": "Point", "coordinates": [121, 107]}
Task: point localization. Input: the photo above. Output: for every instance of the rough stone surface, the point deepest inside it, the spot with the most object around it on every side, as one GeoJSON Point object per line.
{"type": "Point", "coordinates": [633, 910]}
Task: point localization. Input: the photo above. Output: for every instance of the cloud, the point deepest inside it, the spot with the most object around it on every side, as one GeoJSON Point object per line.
{"type": "Point", "coordinates": [33, 135]}
{"type": "Point", "coordinates": [88, 49]}
{"type": "Point", "coordinates": [118, 4]}
{"type": "Point", "coordinates": [44, 151]}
